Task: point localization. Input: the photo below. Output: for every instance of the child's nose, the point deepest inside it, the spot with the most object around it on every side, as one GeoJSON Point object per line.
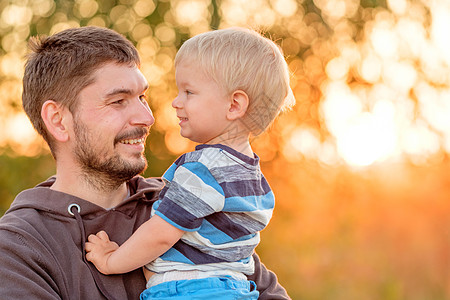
{"type": "Point", "coordinates": [176, 103]}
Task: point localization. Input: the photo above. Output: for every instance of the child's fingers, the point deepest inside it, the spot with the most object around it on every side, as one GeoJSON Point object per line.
{"type": "Point", "coordinates": [102, 235]}
{"type": "Point", "coordinates": [88, 247]}
{"type": "Point", "coordinates": [89, 256]}
{"type": "Point", "coordinates": [93, 238]}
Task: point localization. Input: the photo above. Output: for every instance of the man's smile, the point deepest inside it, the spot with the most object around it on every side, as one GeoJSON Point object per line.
{"type": "Point", "coordinates": [133, 141]}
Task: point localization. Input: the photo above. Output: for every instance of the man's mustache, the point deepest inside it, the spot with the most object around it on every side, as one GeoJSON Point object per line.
{"type": "Point", "coordinates": [136, 133]}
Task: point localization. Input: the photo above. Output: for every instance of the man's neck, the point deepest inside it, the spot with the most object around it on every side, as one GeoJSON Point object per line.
{"type": "Point", "coordinates": [71, 182]}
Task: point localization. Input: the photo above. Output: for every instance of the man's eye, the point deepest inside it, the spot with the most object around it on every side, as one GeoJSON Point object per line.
{"type": "Point", "coordinates": [118, 101]}
{"type": "Point", "coordinates": [143, 98]}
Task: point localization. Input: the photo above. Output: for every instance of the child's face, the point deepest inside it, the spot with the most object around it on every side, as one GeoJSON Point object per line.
{"type": "Point", "coordinates": [201, 105]}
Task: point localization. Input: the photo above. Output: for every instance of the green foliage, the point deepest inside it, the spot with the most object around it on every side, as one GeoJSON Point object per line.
{"type": "Point", "coordinates": [18, 173]}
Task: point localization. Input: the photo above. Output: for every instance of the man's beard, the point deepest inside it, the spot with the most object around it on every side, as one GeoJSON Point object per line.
{"type": "Point", "coordinates": [106, 172]}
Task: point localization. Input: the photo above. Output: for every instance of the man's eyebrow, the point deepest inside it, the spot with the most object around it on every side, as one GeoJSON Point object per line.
{"type": "Point", "coordinates": [119, 91]}
{"type": "Point", "coordinates": [123, 91]}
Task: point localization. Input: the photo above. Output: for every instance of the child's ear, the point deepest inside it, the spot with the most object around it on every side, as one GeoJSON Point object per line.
{"type": "Point", "coordinates": [239, 105]}
{"type": "Point", "coordinates": [55, 118]}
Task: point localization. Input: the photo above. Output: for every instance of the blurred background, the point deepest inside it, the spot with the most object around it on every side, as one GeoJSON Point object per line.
{"type": "Point", "coordinates": [360, 167]}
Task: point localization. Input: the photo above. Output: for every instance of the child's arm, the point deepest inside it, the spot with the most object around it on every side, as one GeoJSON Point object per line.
{"type": "Point", "coordinates": [151, 239]}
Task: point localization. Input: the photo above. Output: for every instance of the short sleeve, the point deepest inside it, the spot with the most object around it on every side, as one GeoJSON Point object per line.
{"type": "Point", "coordinates": [191, 194]}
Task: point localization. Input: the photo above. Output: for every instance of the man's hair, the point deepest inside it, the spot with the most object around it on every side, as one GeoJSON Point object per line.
{"type": "Point", "coordinates": [61, 65]}
{"type": "Point", "coordinates": [242, 59]}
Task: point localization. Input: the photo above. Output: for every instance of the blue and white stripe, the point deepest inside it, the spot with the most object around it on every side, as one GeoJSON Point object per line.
{"type": "Point", "coordinates": [221, 199]}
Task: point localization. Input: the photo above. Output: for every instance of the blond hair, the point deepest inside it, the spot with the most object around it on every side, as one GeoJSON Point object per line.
{"type": "Point", "coordinates": [242, 59]}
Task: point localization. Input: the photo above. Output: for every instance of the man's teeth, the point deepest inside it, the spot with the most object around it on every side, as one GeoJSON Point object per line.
{"type": "Point", "coordinates": [134, 141]}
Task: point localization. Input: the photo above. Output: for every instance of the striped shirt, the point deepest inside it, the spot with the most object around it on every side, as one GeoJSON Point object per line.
{"type": "Point", "coordinates": [222, 200]}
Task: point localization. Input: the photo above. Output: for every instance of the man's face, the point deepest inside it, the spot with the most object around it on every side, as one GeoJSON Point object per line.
{"type": "Point", "coordinates": [111, 122]}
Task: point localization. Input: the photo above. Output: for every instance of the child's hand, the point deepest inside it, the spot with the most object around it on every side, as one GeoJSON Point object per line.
{"type": "Point", "coordinates": [99, 249]}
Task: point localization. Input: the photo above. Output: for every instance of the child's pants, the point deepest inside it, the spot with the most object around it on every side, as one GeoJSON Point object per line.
{"type": "Point", "coordinates": [216, 288]}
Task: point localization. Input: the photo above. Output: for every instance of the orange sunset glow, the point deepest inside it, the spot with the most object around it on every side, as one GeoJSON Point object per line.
{"type": "Point", "coordinates": [360, 166]}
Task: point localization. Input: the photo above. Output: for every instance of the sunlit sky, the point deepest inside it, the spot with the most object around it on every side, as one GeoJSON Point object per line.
{"type": "Point", "coordinates": [383, 96]}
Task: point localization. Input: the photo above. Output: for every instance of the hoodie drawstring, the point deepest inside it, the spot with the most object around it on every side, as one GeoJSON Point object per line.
{"type": "Point", "coordinates": [76, 213]}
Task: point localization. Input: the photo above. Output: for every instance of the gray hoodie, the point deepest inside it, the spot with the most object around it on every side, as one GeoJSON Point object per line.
{"type": "Point", "coordinates": [42, 246]}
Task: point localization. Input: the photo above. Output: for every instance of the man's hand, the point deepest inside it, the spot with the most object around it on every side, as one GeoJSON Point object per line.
{"type": "Point", "coordinates": [98, 251]}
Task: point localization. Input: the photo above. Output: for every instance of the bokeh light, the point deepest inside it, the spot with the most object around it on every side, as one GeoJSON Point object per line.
{"type": "Point", "coordinates": [372, 84]}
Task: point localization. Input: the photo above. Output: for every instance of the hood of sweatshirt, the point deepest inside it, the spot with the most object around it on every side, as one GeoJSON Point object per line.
{"type": "Point", "coordinates": [52, 223]}
{"type": "Point", "coordinates": [44, 199]}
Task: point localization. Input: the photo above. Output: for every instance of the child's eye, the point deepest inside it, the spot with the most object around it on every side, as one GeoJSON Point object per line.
{"type": "Point", "coordinates": [188, 92]}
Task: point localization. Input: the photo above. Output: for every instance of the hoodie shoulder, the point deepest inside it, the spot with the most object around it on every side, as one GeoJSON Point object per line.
{"type": "Point", "coordinates": [42, 198]}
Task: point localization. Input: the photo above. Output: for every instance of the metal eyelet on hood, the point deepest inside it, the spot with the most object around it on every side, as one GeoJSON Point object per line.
{"type": "Point", "coordinates": [69, 208]}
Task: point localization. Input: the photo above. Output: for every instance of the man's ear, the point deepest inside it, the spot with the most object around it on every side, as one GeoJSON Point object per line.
{"type": "Point", "coordinates": [55, 118]}
{"type": "Point", "coordinates": [239, 105]}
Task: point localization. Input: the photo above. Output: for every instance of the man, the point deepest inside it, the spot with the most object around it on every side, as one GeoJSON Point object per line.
{"type": "Point", "coordinates": [85, 95]}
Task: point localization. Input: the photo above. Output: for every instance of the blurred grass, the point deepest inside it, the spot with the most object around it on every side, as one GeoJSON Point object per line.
{"type": "Point", "coordinates": [18, 173]}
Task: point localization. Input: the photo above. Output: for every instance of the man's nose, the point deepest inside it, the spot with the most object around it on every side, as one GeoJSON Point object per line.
{"type": "Point", "coordinates": [142, 114]}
